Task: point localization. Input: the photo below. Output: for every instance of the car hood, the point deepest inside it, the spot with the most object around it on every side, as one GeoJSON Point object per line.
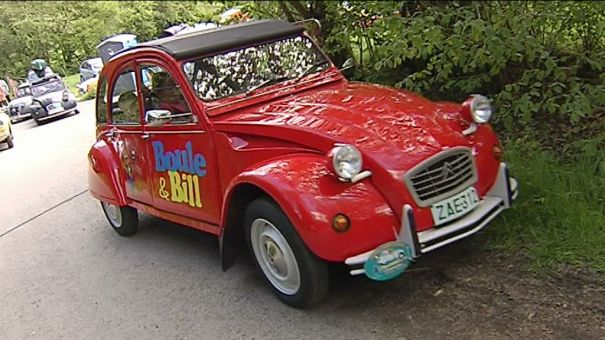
{"type": "Point", "coordinates": [392, 126]}
{"type": "Point", "coordinates": [56, 96]}
{"type": "Point", "coordinates": [20, 101]}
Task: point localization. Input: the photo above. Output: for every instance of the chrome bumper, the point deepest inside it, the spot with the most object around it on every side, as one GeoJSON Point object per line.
{"type": "Point", "coordinates": [498, 198]}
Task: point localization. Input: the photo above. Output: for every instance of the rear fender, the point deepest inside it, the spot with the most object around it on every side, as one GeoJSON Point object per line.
{"type": "Point", "coordinates": [104, 175]}
{"type": "Point", "coordinates": [310, 195]}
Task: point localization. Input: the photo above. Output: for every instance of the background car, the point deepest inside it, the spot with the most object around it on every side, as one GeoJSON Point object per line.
{"type": "Point", "coordinates": [15, 107]}
{"type": "Point", "coordinates": [51, 98]}
{"type": "Point", "coordinates": [90, 68]}
{"type": "Point", "coordinates": [6, 133]}
{"type": "Point", "coordinates": [88, 85]}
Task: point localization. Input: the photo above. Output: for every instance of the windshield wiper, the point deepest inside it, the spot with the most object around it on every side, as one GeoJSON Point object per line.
{"type": "Point", "coordinates": [266, 83]}
{"type": "Point", "coordinates": [311, 69]}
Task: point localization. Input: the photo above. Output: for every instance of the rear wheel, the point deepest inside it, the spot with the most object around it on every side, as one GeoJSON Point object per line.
{"type": "Point", "coordinates": [124, 220]}
{"type": "Point", "coordinates": [294, 274]}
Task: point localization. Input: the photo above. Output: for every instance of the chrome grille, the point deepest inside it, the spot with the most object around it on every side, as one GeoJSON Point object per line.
{"type": "Point", "coordinates": [441, 176]}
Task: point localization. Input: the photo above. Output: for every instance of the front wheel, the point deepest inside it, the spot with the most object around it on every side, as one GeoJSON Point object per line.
{"type": "Point", "coordinates": [124, 220]}
{"type": "Point", "coordinates": [9, 141]}
{"type": "Point", "coordinates": [294, 274]}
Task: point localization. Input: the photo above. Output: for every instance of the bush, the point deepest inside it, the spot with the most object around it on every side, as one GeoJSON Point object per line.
{"type": "Point", "coordinates": [541, 62]}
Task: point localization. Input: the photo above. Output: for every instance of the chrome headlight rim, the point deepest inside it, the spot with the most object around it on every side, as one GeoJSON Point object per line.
{"type": "Point", "coordinates": [347, 161]}
{"type": "Point", "coordinates": [481, 109]}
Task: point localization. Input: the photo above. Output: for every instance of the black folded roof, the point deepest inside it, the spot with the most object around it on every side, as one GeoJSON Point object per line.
{"type": "Point", "coordinates": [217, 39]}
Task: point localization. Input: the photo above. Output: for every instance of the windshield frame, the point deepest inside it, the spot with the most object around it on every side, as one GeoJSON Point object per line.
{"type": "Point", "coordinates": [242, 94]}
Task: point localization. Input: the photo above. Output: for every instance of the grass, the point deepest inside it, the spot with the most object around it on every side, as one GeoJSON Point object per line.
{"type": "Point", "coordinates": [559, 217]}
{"type": "Point", "coordinates": [71, 81]}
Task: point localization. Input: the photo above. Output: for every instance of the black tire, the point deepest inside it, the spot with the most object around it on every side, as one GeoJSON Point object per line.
{"type": "Point", "coordinates": [38, 122]}
{"type": "Point", "coordinates": [127, 223]}
{"type": "Point", "coordinates": [313, 272]}
{"type": "Point", "coordinates": [9, 141]}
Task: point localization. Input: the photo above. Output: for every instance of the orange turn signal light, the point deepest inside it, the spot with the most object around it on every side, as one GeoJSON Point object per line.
{"type": "Point", "coordinates": [341, 223]}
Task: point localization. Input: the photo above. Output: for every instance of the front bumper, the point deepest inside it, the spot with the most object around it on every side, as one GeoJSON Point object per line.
{"type": "Point", "coordinates": [17, 114]}
{"type": "Point", "coordinates": [66, 107]}
{"type": "Point", "coordinates": [498, 198]}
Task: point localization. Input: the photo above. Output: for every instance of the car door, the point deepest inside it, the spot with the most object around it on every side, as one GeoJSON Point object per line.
{"type": "Point", "coordinates": [184, 179]}
{"type": "Point", "coordinates": [126, 134]}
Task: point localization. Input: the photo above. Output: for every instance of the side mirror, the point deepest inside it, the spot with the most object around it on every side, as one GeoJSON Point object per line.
{"type": "Point", "coordinates": [347, 67]}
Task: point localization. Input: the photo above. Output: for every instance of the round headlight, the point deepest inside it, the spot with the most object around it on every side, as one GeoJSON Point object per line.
{"type": "Point", "coordinates": [346, 160]}
{"type": "Point", "coordinates": [481, 109]}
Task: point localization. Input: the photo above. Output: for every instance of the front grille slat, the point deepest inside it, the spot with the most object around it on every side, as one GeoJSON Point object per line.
{"type": "Point", "coordinates": [465, 164]}
{"type": "Point", "coordinates": [444, 188]}
{"type": "Point", "coordinates": [442, 175]}
{"type": "Point", "coordinates": [432, 170]}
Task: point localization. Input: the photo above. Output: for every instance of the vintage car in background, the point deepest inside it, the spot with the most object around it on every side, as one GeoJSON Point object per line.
{"type": "Point", "coordinates": [6, 132]}
{"type": "Point", "coordinates": [90, 68]}
{"type": "Point", "coordinates": [50, 99]}
{"type": "Point", "coordinates": [88, 86]}
{"type": "Point", "coordinates": [23, 99]}
{"type": "Point", "coordinates": [249, 132]}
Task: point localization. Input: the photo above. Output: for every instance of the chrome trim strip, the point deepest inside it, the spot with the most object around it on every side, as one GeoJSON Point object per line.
{"type": "Point", "coordinates": [361, 175]}
{"type": "Point", "coordinates": [407, 233]}
{"type": "Point", "coordinates": [479, 213]}
{"type": "Point", "coordinates": [357, 272]}
{"type": "Point", "coordinates": [174, 132]}
{"type": "Point", "coordinates": [57, 114]}
{"type": "Point", "coordinates": [358, 259]}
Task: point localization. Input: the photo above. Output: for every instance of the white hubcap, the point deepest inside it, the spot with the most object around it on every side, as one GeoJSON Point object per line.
{"type": "Point", "coordinates": [113, 213]}
{"type": "Point", "coordinates": [275, 256]}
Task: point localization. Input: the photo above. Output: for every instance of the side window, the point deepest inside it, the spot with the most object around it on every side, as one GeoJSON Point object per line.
{"type": "Point", "coordinates": [102, 102]}
{"type": "Point", "coordinates": [124, 103]}
{"type": "Point", "coordinates": [163, 98]}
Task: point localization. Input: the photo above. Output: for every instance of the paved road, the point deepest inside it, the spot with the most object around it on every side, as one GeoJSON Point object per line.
{"type": "Point", "coordinates": [65, 274]}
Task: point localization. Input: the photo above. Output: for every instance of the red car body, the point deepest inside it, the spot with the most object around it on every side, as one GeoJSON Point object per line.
{"type": "Point", "coordinates": [276, 143]}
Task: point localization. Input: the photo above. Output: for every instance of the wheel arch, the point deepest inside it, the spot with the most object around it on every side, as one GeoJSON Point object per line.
{"type": "Point", "coordinates": [302, 186]}
{"type": "Point", "coordinates": [231, 239]}
{"type": "Point", "coordinates": [104, 176]}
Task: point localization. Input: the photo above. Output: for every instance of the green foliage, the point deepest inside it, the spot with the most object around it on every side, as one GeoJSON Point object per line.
{"type": "Point", "coordinates": [71, 81]}
{"type": "Point", "coordinates": [66, 32]}
{"type": "Point", "coordinates": [541, 62]}
{"type": "Point", "coordinates": [559, 217]}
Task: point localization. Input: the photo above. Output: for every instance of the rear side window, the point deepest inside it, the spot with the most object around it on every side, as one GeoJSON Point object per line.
{"type": "Point", "coordinates": [102, 102]}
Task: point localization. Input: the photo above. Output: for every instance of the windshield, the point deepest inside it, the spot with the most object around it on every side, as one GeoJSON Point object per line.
{"type": "Point", "coordinates": [51, 86]}
{"type": "Point", "coordinates": [24, 91]}
{"type": "Point", "coordinates": [96, 63]}
{"type": "Point", "coordinates": [245, 70]}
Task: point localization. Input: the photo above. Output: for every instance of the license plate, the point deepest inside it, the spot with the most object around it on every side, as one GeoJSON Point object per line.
{"type": "Point", "coordinates": [54, 108]}
{"type": "Point", "coordinates": [455, 206]}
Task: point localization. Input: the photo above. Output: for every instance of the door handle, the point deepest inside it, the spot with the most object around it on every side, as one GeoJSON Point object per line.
{"type": "Point", "coordinates": [145, 136]}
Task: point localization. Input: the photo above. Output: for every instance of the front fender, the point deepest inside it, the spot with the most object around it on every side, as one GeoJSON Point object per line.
{"type": "Point", "coordinates": [310, 195]}
{"type": "Point", "coordinates": [104, 179]}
